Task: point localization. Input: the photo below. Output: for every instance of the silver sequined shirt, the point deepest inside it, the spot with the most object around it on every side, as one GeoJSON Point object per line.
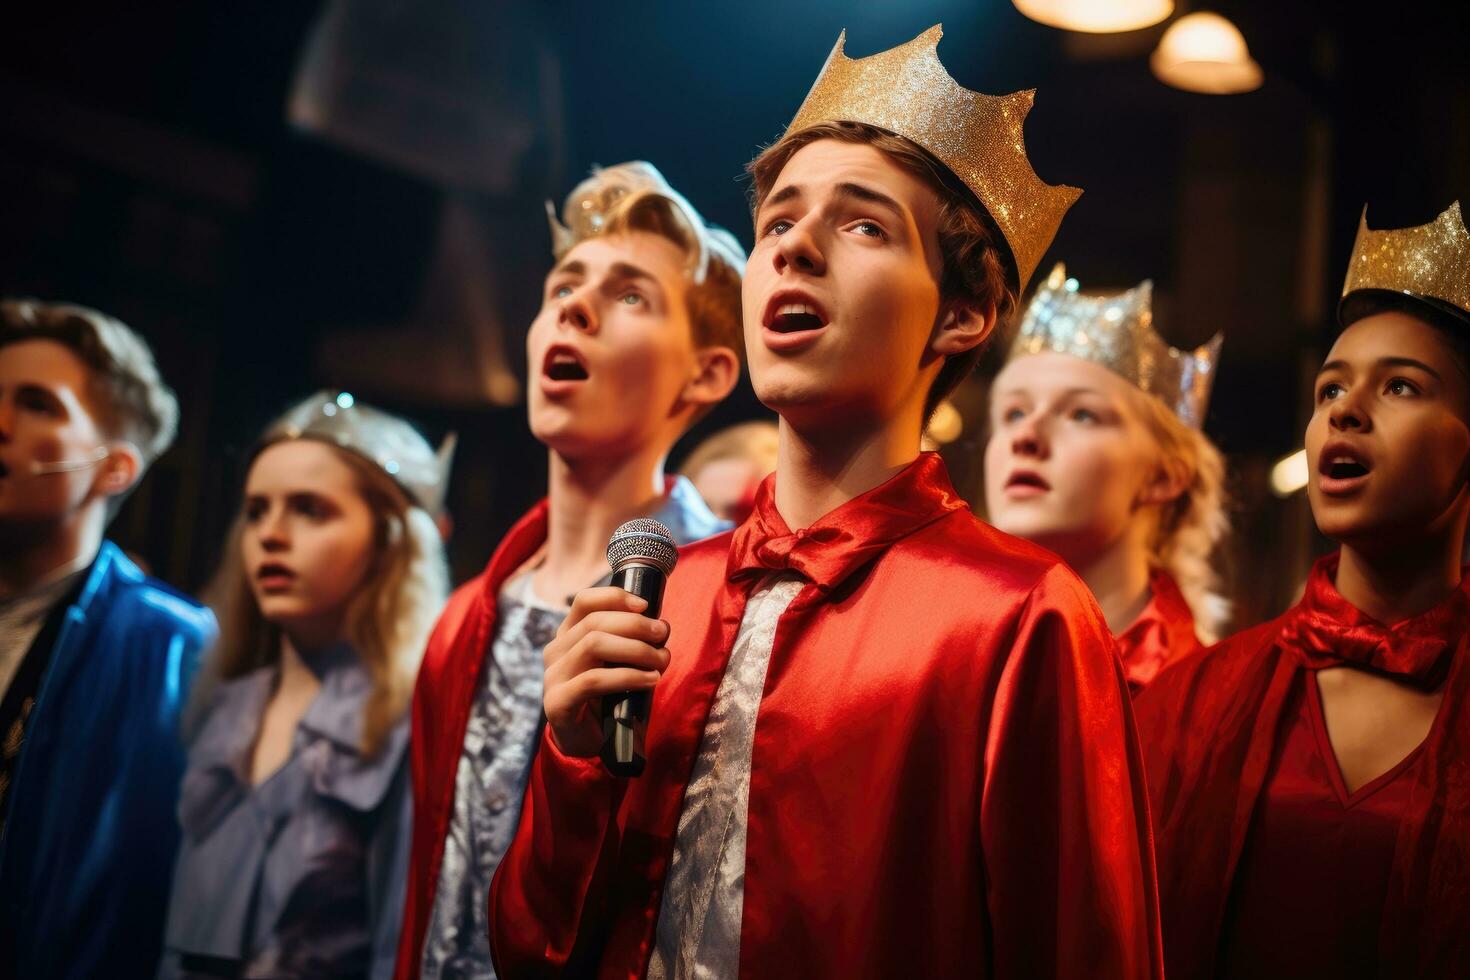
{"type": "Point", "coordinates": [698, 935]}
{"type": "Point", "coordinates": [504, 728]}
{"type": "Point", "coordinates": [490, 783]}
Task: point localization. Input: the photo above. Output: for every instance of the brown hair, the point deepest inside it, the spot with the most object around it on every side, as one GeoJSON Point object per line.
{"type": "Point", "coordinates": [126, 391]}
{"type": "Point", "coordinates": [1191, 525]}
{"type": "Point", "coordinates": [713, 299]}
{"type": "Point", "coordinates": [975, 260]}
{"type": "Point", "coordinates": [388, 620]}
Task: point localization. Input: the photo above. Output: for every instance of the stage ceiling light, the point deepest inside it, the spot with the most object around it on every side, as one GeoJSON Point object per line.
{"type": "Point", "coordinates": [1204, 52]}
{"type": "Point", "coordinates": [1096, 16]}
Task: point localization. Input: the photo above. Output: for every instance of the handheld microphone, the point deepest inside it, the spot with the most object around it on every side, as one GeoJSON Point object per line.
{"type": "Point", "coordinates": [642, 554]}
{"type": "Point", "coordinates": [70, 465]}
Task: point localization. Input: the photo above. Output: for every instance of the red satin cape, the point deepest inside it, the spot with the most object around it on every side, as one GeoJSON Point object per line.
{"type": "Point", "coordinates": [1162, 633]}
{"type": "Point", "coordinates": [442, 698]}
{"type": "Point", "coordinates": [1210, 726]}
{"type": "Point", "coordinates": [945, 778]}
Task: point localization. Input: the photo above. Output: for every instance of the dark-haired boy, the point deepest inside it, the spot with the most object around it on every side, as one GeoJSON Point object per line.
{"type": "Point", "coordinates": [889, 740]}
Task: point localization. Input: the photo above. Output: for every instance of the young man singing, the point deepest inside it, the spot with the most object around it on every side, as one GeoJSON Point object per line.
{"type": "Point", "coordinates": [638, 335]}
{"type": "Point", "coordinates": [886, 739]}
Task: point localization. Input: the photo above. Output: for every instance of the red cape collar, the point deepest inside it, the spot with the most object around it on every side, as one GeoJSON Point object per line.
{"type": "Point", "coordinates": [1329, 631]}
{"type": "Point", "coordinates": [848, 537]}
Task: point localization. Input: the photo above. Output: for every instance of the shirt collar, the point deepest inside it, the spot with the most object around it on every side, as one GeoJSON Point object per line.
{"type": "Point", "coordinates": [1329, 631]}
{"type": "Point", "coordinates": [685, 513]}
{"type": "Point", "coordinates": [336, 712]}
{"type": "Point", "coordinates": [848, 537]}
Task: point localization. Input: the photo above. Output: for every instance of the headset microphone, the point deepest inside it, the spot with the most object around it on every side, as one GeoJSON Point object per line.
{"type": "Point", "coordinates": [70, 465]}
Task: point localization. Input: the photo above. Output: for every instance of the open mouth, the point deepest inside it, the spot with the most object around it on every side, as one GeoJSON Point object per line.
{"type": "Point", "coordinates": [1025, 478]}
{"type": "Point", "coordinates": [789, 312]}
{"type": "Point", "coordinates": [1346, 469]}
{"type": "Point", "coordinates": [4, 470]}
{"type": "Point", "coordinates": [564, 364]}
{"type": "Point", "coordinates": [796, 317]}
{"type": "Point", "coordinates": [274, 574]}
{"type": "Point", "coordinates": [1342, 468]}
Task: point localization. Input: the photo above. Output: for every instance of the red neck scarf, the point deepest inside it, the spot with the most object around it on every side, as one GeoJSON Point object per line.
{"type": "Point", "coordinates": [849, 537]}
{"type": "Point", "coordinates": [1328, 631]}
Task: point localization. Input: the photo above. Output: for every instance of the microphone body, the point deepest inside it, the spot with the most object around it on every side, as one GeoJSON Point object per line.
{"type": "Point", "coordinates": [642, 554]}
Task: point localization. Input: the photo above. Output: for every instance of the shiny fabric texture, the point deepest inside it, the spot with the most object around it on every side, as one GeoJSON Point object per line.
{"type": "Point", "coordinates": [699, 923]}
{"type": "Point", "coordinates": [1212, 723]}
{"type": "Point", "coordinates": [1162, 633]}
{"type": "Point", "coordinates": [1331, 632]}
{"type": "Point", "coordinates": [944, 780]}
{"type": "Point", "coordinates": [90, 834]}
{"type": "Point", "coordinates": [301, 875]}
{"type": "Point", "coordinates": [1314, 872]}
{"type": "Point", "coordinates": [490, 782]}
{"type": "Point", "coordinates": [449, 678]}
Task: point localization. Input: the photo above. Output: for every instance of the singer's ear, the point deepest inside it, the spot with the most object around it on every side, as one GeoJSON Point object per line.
{"type": "Point", "coordinates": [716, 371]}
{"type": "Point", "coordinates": [120, 470]}
{"type": "Point", "coordinates": [961, 327]}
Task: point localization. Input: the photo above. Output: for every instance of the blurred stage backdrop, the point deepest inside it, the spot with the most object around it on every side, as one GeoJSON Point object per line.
{"type": "Point", "coordinates": [287, 195]}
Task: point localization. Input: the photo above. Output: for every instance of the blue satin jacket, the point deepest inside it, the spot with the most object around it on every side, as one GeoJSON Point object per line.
{"type": "Point", "coordinates": [89, 841]}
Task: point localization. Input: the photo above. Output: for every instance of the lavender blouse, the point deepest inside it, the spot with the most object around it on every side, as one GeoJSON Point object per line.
{"type": "Point", "coordinates": [302, 875]}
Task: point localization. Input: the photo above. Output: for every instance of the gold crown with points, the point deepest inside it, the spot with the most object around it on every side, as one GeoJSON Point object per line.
{"type": "Point", "coordinates": [1426, 262]}
{"type": "Point", "coordinates": [1116, 330]}
{"type": "Point", "coordinates": [906, 91]}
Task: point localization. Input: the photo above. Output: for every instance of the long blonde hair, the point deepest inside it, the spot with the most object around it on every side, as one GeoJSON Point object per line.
{"type": "Point", "coordinates": [387, 622]}
{"type": "Point", "coordinates": [1191, 526]}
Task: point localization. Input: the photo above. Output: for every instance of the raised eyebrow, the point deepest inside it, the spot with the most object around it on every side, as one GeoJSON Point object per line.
{"type": "Point", "coordinates": [782, 196]}
{"type": "Point", "coordinates": [867, 195]}
{"type": "Point", "coordinates": [627, 270]}
{"type": "Point", "coordinates": [574, 268]}
{"type": "Point", "coordinates": [1409, 362]}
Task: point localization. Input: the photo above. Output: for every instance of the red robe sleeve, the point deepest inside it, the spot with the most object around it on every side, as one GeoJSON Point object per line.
{"type": "Point", "coordinates": [550, 889]}
{"type": "Point", "coordinates": [1064, 826]}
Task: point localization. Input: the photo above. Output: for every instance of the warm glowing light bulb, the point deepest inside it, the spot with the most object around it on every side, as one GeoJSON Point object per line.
{"type": "Point", "coordinates": [1096, 16]}
{"type": "Point", "coordinates": [1204, 52]}
{"type": "Point", "coordinates": [946, 425]}
{"type": "Point", "coordinates": [1289, 474]}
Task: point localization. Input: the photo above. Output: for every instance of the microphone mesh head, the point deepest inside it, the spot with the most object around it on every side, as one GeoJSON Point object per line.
{"type": "Point", "coordinates": [644, 540]}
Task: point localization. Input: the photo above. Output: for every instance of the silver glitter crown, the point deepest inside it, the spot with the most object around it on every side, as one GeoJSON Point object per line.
{"type": "Point", "coordinates": [336, 417]}
{"type": "Point", "coordinates": [643, 540]}
{"type": "Point", "coordinates": [1116, 330]}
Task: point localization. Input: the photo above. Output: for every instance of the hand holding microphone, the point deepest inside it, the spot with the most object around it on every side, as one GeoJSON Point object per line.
{"type": "Point", "coordinates": [608, 655]}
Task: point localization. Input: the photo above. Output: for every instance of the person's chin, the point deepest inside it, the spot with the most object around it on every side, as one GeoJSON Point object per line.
{"type": "Point", "coordinates": [1356, 522]}
{"type": "Point", "coordinates": [282, 609]}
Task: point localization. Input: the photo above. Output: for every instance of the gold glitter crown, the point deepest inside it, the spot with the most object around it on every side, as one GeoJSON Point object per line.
{"type": "Point", "coordinates": [906, 91]}
{"type": "Point", "coordinates": [336, 417]}
{"type": "Point", "coordinates": [585, 213]}
{"type": "Point", "coordinates": [1427, 262]}
{"type": "Point", "coordinates": [1116, 330]}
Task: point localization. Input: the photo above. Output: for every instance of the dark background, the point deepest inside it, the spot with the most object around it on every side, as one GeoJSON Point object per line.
{"type": "Point", "coordinates": [392, 239]}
